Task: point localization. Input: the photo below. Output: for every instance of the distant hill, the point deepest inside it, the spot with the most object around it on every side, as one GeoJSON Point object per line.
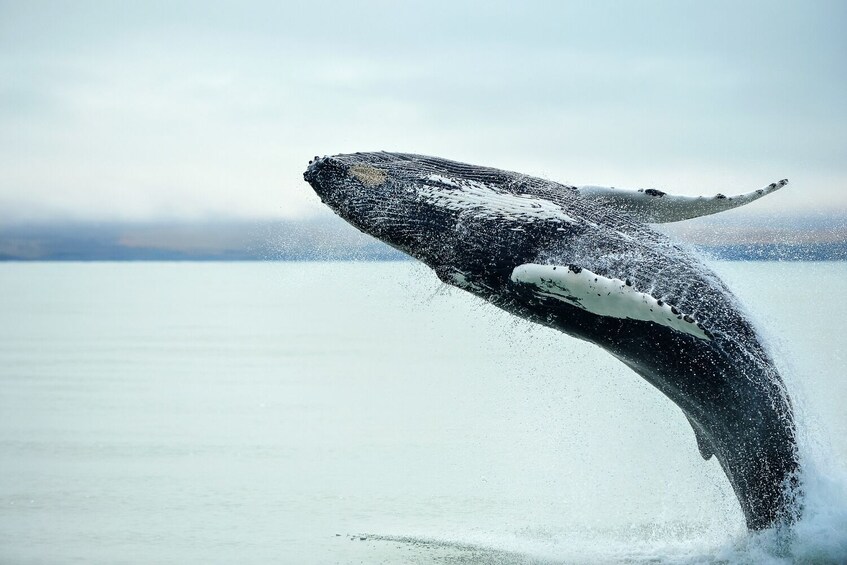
{"type": "Point", "coordinates": [747, 237]}
{"type": "Point", "coordinates": [308, 240]}
{"type": "Point", "coordinates": [835, 251]}
{"type": "Point", "coordinates": [818, 238]}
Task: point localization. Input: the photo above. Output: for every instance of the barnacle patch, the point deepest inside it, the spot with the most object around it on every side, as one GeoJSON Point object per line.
{"type": "Point", "coordinates": [367, 175]}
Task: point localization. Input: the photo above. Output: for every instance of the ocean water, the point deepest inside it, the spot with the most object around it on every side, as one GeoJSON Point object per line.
{"type": "Point", "coordinates": [366, 413]}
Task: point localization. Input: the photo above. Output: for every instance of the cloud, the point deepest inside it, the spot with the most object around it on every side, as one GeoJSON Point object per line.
{"type": "Point", "coordinates": [149, 110]}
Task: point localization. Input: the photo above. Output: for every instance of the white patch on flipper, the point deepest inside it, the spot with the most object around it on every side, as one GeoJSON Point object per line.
{"type": "Point", "coordinates": [659, 207]}
{"type": "Point", "coordinates": [604, 296]}
{"type": "Point", "coordinates": [484, 201]}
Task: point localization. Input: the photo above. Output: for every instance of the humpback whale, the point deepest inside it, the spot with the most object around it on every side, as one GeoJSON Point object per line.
{"type": "Point", "coordinates": [583, 260]}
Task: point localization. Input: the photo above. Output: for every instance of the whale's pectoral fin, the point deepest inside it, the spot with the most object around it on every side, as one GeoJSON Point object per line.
{"type": "Point", "coordinates": [703, 444]}
{"type": "Point", "coordinates": [659, 207]}
{"type": "Point", "coordinates": [604, 296]}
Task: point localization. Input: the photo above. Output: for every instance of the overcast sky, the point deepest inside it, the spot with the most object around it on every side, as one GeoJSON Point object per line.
{"type": "Point", "coordinates": [170, 110]}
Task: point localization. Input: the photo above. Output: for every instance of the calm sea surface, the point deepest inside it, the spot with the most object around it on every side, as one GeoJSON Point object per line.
{"type": "Point", "coordinates": [363, 412]}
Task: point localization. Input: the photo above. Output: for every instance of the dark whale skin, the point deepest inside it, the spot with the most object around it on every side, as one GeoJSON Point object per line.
{"type": "Point", "coordinates": [727, 385]}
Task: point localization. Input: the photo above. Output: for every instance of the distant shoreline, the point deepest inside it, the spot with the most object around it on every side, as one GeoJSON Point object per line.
{"type": "Point", "coordinates": [330, 239]}
{"type": "Point", "coordinates": [775, 252]}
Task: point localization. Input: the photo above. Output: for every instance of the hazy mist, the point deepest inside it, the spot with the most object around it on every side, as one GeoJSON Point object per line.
{"type": "Point", "coordinates": [163, 111]}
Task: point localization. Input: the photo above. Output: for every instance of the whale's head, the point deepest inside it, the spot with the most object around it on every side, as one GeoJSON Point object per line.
{"type": "Point", "coordinates": [468, 223]}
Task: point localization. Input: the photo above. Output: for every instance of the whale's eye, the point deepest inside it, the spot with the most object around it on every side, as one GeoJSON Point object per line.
{"type": "Point", "coordinates": [367, 175]}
